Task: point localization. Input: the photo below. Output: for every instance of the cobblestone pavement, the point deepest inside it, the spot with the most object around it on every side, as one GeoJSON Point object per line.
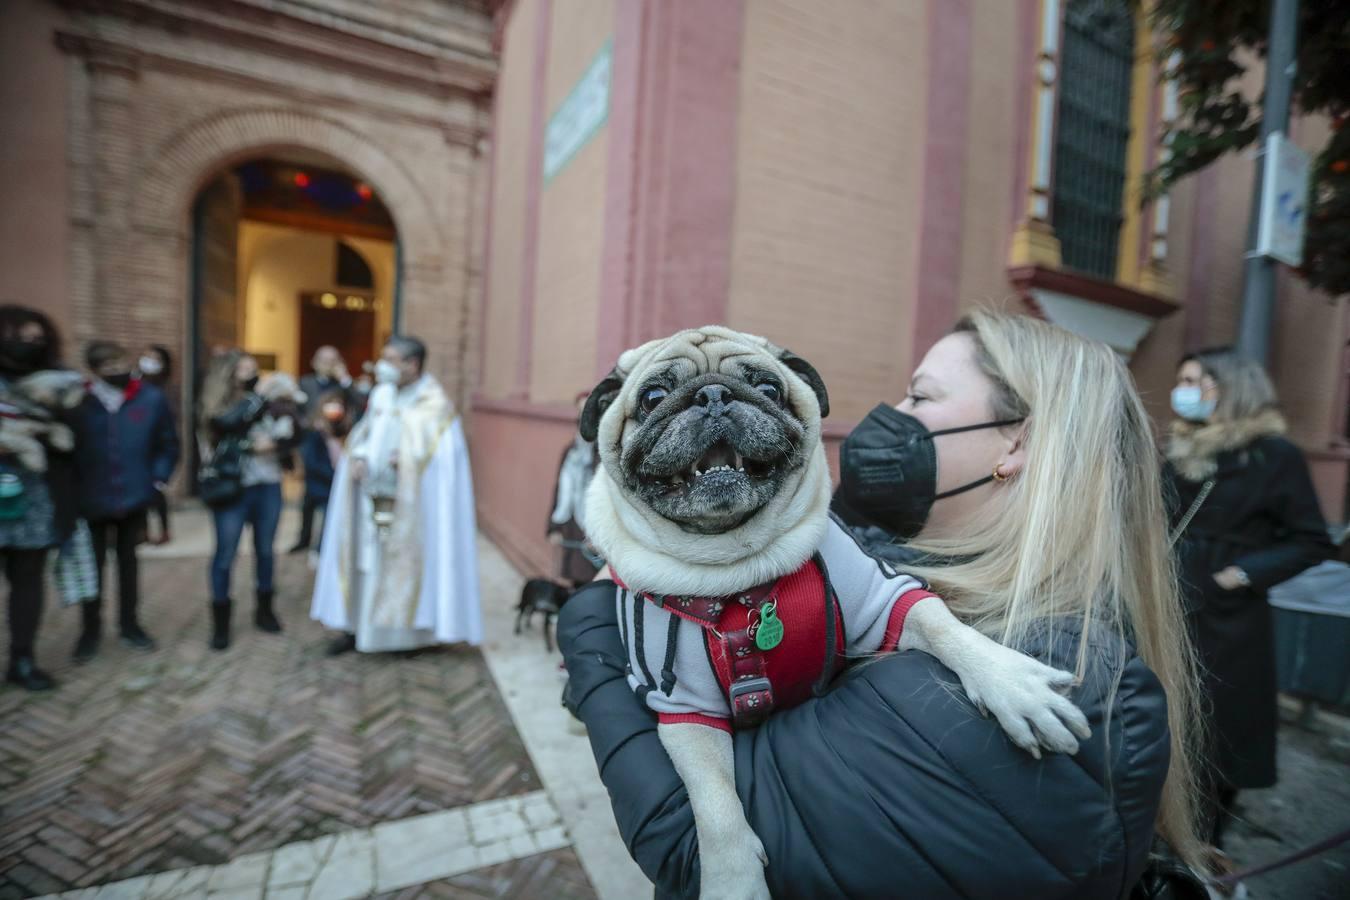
{"type": "Point", "coordinates": [141, 763]}
{"type": "Point", "coordinates": [1310, 802]}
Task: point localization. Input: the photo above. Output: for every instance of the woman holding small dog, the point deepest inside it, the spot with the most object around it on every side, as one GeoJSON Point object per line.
{"type": "Point", "coordinates": [1054, 539]}
{"type": "Point", "coordinates": [250, 435]}
{"type": "Point", "coordinates": [37, 496]}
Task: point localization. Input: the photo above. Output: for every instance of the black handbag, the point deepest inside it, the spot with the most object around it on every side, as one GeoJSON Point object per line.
{"type": "Point", "coordinates": [220, 480]}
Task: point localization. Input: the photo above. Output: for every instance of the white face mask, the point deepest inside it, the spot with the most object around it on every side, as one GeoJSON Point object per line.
{"type": "Point", "coordinates": [1189, 403]}
{"type": "Point", "coordinates": [149, 365]}
{"type": "Point", "coordinates": [386, 372]}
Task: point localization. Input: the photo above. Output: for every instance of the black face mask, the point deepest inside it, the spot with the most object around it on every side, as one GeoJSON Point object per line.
{"type": "Point", "coordinates": [23, 355]}
{"type": "Point", "coordinates": [249, 384]}
{"type": "Point", "coordinates": [888, 469]}
{"type": "Point", "coordinates": [119, 380]}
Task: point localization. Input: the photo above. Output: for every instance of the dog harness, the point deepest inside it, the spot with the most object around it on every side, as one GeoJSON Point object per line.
{"type": "Point", "coordinates": [732, 660]}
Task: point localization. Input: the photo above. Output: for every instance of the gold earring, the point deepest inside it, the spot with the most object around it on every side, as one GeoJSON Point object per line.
{"type": "Point", "coordinates": [998, 473]}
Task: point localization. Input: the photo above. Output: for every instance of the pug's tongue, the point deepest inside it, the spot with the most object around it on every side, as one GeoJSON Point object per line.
{"type": "Point", "coordinates": [719, 455]}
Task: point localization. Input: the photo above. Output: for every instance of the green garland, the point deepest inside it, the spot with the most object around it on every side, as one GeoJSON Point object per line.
{"type": "Point", "coordinates": [1214, 42]}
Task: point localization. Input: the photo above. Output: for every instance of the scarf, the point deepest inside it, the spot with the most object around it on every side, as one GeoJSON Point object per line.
{"type": "Point", "coordinates": [1193, 448]}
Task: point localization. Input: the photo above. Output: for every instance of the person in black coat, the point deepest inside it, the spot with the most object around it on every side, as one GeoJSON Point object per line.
{"type": "Point", "coordinates": [1257, 524]}
{"type": "Point", "coordinates": [891, 783]}
{"type": "Point", "coordinates": [37, 495]}
{"type": "Point", "coordinates": [128, 450]}
{"type": "Point", "coordinates": [155, 366]}
{"type": "Point", "coordinates": [320, 449]}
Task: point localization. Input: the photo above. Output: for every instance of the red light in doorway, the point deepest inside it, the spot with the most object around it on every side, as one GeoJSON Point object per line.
{"type": "Point", "coordinates": [301, 180]}
{"type": "Point", "coordinates": [364, 192]}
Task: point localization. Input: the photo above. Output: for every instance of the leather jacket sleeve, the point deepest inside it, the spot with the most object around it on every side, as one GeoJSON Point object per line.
{"type": "Point", "coordinates": [237, 420]}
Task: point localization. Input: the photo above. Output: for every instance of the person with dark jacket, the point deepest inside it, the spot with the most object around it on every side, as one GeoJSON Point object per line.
{"type": "Point", "coordinates": [1254, 522]}
{"type": "Point", "coordinates": [320, 450]}
{"type": "Point", "coordinates": [37, 489]}
{"type": "Point", "coordinates": [891, 783]}
{"type": "Point", "coordinates": [237, 420]}
{"type": "Point", "coordinates": [128, 450]}
{"type": "Point", "coordinates": [156, 367]}
{"type": "Point", "coordinates": [329, 376]}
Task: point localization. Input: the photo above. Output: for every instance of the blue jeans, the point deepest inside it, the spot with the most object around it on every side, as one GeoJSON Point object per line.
{"type": "Point", "coordinates": [259, 506]}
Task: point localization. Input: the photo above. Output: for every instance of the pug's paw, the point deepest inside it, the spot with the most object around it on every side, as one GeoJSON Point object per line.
{"type": "Point", "coordinates": [734, 870]}
{"type": "Point", "coordinates": [1026, 696]}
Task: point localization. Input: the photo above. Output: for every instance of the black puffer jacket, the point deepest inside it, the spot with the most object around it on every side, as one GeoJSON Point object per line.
{"type": "Point", "coordinates": [891, 785]}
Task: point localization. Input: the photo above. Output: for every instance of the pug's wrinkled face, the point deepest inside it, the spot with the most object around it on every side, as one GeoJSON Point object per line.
{"type": "Point", "coordinates": [709, 440]}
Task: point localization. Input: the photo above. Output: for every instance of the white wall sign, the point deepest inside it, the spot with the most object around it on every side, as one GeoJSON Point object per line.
{"type": "Point", "coordinates": [1284, 201]}
{"type": "Point", "coordinates": [580, 115]}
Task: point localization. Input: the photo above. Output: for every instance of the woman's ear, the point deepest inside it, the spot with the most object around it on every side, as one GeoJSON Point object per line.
{"type": "Point", "coordinates": [1014, 455]}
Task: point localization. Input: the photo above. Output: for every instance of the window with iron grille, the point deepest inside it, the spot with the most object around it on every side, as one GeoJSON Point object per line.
{"type": "Point", "coordinates": [1096, 64]}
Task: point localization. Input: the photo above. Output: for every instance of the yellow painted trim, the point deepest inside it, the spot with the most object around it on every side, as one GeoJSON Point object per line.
{"type": "Point", "coordinates": [1034, 244]}
{"type": "Point", "coordinates": [1143, 96]}
{"type": "Point", "coordinates": [1033, 241]}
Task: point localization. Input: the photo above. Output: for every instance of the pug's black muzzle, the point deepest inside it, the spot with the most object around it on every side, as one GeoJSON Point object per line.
{"type": "Point", "coordinates": [713, 453]}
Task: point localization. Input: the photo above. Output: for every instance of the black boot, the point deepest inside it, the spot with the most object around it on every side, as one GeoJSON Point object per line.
{"type": "Point", "coordinates": [344, 643]}
{"type": "Point", "coordinates": [25, 673]}
{"type": "Point", "coordinates": [91, 631]}
{"type": "Point", "coordinates": [263, 616]}
{"type": "Point", "coordinates": [133, 635]}
{"type": "Point", "coordinates": [220, 624]}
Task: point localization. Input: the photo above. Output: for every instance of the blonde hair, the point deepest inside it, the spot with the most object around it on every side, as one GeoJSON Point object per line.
{"type": "Point", "coordinates": [1245, 389]}
{"type": "Point", "coordinates": [1079, 535]}
{"type": "Point", "coordinates": [220, 391]}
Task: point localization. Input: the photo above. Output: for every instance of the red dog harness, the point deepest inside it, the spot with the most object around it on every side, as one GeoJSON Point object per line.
{"type": "Point", "coordinates": [774, 645]}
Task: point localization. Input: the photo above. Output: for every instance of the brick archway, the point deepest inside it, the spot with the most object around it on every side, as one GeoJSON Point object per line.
{"type": "Point", "coordinates": [183, 164]}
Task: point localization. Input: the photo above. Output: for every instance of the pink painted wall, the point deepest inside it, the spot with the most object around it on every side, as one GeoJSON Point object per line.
{"type": "Point", "coordinates": [506, 238]}
{"type": "Point", "coordinates": [516, 448]}
{"type": "Point", "coordinates": [34, 221]}
{"type": "Point", "coordinates": [846, 185]}
{"type": "Point", "coordinates": [829, 189]}
{"type": "Point", "coordinates": [571, 220]}
{"type": "Point", "coordinates": [991, 169]}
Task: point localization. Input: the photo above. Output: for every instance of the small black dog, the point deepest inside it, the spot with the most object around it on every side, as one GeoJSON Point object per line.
{"type": "Point", "coordinates": [541, 595]}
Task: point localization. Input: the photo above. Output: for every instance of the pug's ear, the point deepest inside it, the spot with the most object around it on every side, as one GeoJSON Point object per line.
{"type": "Point", "coordinates": [597, 403]}
{"type": "Point", "coordinates": [807, 372]}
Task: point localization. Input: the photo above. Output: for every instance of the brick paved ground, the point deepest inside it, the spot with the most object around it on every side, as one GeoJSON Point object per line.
{"type": "Point", "coordinates": [141, 763]}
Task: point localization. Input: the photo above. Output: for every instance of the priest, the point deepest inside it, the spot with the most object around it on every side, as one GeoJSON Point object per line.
{"type": "Point", "coordinates": [398, 566]}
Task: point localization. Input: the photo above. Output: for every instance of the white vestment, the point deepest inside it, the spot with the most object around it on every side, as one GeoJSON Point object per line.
{"type": "Point", "coordinates": [419, 585]}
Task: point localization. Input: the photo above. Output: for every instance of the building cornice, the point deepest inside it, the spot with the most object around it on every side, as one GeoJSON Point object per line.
{"type": "Point", "coordinates": [299, 31]}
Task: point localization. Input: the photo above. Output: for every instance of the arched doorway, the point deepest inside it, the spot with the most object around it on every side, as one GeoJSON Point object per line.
{"type": "Point", "coordinates": [289, 253]}
{"type": "Point", "coordinates": [134, 277]}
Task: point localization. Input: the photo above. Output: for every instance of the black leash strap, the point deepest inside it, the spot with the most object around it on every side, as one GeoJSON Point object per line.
{"type": "Point", "coordinates": [1335, 840]}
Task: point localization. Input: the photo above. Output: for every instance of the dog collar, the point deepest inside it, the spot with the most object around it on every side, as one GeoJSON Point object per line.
{"type": "Point", "coordinates": [703, 611]}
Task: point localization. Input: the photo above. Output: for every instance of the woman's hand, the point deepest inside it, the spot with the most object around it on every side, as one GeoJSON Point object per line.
{"type": "Point", "coordinates": [1231, 578]}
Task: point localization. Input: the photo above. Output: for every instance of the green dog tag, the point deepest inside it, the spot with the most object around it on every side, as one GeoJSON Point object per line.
{"type": "Point", "coordinates": [769, 634]}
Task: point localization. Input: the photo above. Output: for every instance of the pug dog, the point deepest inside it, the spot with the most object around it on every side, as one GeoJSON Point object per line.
{"type": "Point", "coordinates": [738, 594]}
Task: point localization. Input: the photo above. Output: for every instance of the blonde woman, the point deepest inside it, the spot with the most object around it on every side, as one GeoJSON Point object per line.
{"type": "Point", "coordinates": [1022, 457]}
{"type": "Point", "coordinates": [1257, 524]}
{"type": "Point", "coordinates": [248, 446]}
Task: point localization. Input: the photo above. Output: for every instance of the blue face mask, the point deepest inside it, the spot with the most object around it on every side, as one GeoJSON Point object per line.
{"type": "Point", "coordinates": [1188, 403]}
